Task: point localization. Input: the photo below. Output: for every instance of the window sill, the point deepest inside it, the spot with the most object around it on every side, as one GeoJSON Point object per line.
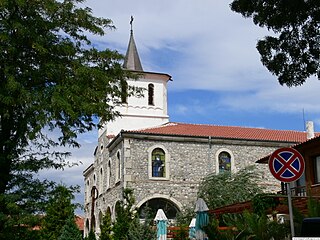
{"type": "Point", "coordinates": [159, 178]}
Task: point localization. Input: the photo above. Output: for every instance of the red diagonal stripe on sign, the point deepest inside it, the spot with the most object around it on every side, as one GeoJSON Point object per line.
{"type": "Point", "coordinates": [286, 165]}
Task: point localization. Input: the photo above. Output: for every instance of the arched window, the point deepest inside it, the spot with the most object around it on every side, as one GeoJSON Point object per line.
{"type": "Point", "coordinates": [108, 212]}
{"type": "Point", "coordinates": [101, 181]}
{"type": "Point", "coordinates": [151, 207]}
{"type": "Point", "coordinates": [158, 161]}
{"type": "Point", "coordinates": [117, 209]}
{"type": "Point", "coordinates": [94, 179]}
{"type": "Point", "coordinates": [224, 162]}
{"type": "Point", "coordinates": [93, 223]}
{"type": "Point", "coordinates": [100, 219]}
{"type": "Point", "coordinates": [118, 167]}
{"type": "Point", "coordinates": [151, 94]}
{"type": "Point", "coordinates": [109, 174]}
{"type": "Point", "coordinates": [87, 227]}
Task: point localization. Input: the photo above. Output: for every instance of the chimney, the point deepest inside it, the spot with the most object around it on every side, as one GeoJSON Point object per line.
{"type": "Point", "coordinates": [309, 129]}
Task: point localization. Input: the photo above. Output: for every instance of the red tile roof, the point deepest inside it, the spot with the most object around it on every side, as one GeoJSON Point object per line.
{"type": "Point", "coordinates": [296, 146]}
{"type": "Point", "coordinates": [227, 132]}
{"type": "Point", "coordinates": [79, 222]}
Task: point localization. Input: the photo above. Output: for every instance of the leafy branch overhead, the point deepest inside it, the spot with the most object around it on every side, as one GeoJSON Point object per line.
{"type": "Point", "coordinates": [51, 78]}
{"type": "Point", "coordinates": [292, 53]}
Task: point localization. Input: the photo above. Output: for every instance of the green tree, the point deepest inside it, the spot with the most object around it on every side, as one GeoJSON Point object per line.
{"type": "Point", "coordinates": [70, 230]}
{"type": "Point", "coordinates": [141, 230]}
{"type": "Point", "coordinates": [224, 189]}
{"type": "Point", "coordinates": [259, 227]}
{"type": "Point", "coordinates": [106, 227]}
{"type": "Point", "coordinates": [91, 236]}
{"type": "Point", "coordinates": [60, 208]}
{"type": "Point", "coordinates": [51, 78]}
{"type": "Point", "coordinates": [292, 52]}
{"type": "Point", "coordinates": [124, 215]}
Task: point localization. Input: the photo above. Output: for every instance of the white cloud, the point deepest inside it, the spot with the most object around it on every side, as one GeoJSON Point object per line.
{"type": "Point", "coordinates": [208, 47]}
{"type": "Point", "coordinates": [215, 49]}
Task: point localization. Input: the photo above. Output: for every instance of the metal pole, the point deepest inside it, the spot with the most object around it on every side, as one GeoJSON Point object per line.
{"type": "Point", "coordinates": [290, 210]}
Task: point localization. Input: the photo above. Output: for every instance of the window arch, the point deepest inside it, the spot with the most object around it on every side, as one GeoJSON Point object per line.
{"type": "Point", "coordinates": [151, 206]}
{"type": "Point", "coordinates": [224, 161]}
{"type": "Point", "coordinates": [117, 209]}
{"type": "Point", "coordinates": [100, 220]}
{"type": "Point", "coordinates": [159, 160]}
{"type": "Point", "coordinates": [109, 213]}
{"type": "Point", "coordinates": [109, 174]}
{"type": "Point", "coordinates": [87, 227]}
{"type": "Point", "coordinates": [93, 223]}
{"type": "Point", "coordinates": [101, 180]}
{"type": "Point", "coordinates": [118, 166]}
{"type": "Point", "coordinates": [94, 179]}
{"type": "Point", "coordinates": [151, 94]}
{"type": "Point", "coordinates": [158, 163]}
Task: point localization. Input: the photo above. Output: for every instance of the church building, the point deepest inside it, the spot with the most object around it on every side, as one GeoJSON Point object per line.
{"type": "Point", "coordinates": [164, 162]}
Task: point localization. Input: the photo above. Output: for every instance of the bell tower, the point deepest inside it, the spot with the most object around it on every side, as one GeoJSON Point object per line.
{"type": "Point", "coordinates": [140, 112]}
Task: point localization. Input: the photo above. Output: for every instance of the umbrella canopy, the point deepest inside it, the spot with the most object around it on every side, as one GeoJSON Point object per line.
{"type": "Point", "coordinates": [161, 221]}
{"type": "Point", "coordinates": [192, 229]}
{"type": "Point", "coordinates": [202, 218]}
{"type": "Point", "coordinates": [160, 215]}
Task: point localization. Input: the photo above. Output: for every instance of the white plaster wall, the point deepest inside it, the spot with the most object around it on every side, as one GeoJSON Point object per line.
{"type": "Point", "coordinates": [137, 113]}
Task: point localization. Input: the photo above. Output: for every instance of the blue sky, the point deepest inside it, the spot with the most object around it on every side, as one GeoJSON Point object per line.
{"type": "Point", "coordinates": [210, 53]}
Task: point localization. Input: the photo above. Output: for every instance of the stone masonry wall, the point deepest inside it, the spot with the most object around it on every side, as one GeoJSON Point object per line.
{"type": "Point", "coordinates": [188, 161]}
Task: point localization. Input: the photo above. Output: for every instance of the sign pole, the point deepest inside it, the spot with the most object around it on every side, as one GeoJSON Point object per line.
{"type": "Point", "coordinates": [290, 209]}
{"type": "Point", "coordinates": [287, 165]}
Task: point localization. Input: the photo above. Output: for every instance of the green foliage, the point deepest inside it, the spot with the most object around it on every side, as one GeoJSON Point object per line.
{"type": "Point", "coordinates": [70, 230]}
{"type": "Point", "coordinates": [292, 53]}
{"type": "Point", "coordinates": [124, 215]}
{"type": "Point", "coordinates": [313, 207]}
{"type": "Point", "coordinates": [263, 202]}
{"type": "Point", "coordinates": [183, 220]}
{"type": "Point", "coordinates": [141, 230]}
{"type": "Point", "coordinates": [51, 78]}
{"type": "Point", "coordinates": [224, 189]}
{"type": "Point", "coordinates": [214, 233]}
{"type": "Point", "coordinates": [258, 227]}
{"type": "Point", "coordinates": [106, 228]}
{"type": "Point", "coordinates": [184, 217]}
{"type": "Point", "coordinates": [127, 224]}
{"type": "Point", "coordinates": [60, 208]}
{"type": "Point", "coordinates": [91, 236]}
{"type": "Point", "coordinates": [182, 233]}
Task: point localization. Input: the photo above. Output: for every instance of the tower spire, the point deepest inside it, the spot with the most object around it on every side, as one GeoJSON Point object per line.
{"type": "Point", "coordinates": [132, 60]}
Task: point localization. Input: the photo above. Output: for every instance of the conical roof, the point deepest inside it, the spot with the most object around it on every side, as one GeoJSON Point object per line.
{"type": "Point", "coordinates": [132, 60]}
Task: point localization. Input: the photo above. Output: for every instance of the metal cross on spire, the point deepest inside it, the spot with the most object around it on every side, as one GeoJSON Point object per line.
{"type": "Point", "coordinates": [131, 21]}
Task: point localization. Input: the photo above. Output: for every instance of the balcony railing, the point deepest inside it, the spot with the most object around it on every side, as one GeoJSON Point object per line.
{"type": "Point", "coordinates": [295, 191]}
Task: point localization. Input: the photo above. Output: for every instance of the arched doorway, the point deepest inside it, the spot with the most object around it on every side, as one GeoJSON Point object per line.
{"type": "Point", "coordinates": [87, 227]}
{"type": "Point", "coordinates": [151, 207]}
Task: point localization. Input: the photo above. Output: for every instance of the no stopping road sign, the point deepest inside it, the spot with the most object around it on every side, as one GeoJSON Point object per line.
{"type": "Point", "coordinates": [286, 164]}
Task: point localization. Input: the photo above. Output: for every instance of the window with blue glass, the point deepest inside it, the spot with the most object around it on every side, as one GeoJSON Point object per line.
{"type": "Point", "coordinates": [224, 162]}
{"type": "Point", "coordinates": [158, 163]}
